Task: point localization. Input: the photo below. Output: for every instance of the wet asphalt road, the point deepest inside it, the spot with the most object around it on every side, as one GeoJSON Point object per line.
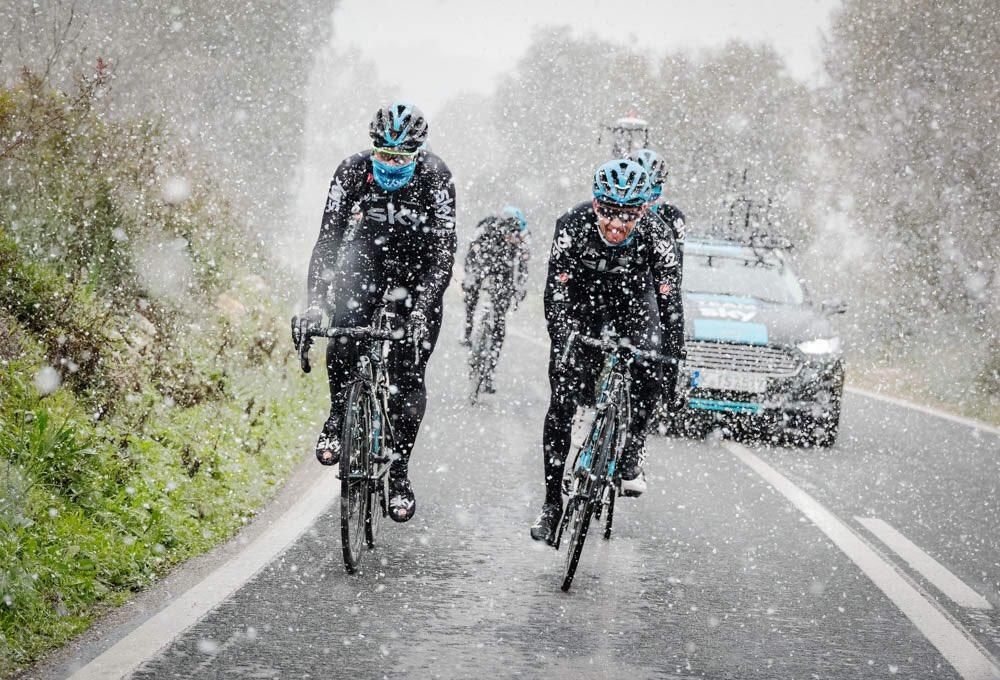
{"type": "Point", "coordinates": [711, 574]}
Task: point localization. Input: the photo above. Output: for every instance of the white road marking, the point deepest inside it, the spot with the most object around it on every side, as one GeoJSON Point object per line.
{"type": "Point", "coordinates": [932, 570]}
{"type": "Point", "coordinates": [967, 657]}
{"type": "Point", "coordinates": [157, 632]}
{"type": "Point", "coordinates": [896, 401]}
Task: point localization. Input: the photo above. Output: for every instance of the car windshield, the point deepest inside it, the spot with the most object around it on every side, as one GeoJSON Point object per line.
{"type": "Point", "coordinates": [736, 275]}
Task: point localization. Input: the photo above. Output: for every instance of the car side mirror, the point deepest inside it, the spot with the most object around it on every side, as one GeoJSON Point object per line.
{"type": "Point", "coordinates": [834, 306]}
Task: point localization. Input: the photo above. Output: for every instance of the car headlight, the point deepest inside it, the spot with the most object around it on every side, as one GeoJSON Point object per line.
{"type": "Point", "coordinates": [820, 346]}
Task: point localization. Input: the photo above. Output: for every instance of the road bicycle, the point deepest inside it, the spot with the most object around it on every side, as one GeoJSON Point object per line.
{"type": "Point", "coordinates": [367, 439]}
{"type": "Point", "coordinates": [593, 481]}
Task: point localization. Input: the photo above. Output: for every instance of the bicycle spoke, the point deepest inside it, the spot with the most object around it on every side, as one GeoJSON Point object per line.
{"type": "Point", "coordinates": [355, 493]}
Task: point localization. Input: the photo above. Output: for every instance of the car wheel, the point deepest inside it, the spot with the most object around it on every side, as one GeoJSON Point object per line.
{"type": "Point", "coordinates": [822, 431]}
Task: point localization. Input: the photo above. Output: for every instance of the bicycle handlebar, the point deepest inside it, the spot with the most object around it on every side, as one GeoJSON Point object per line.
{"type": "Point", "coordinates": [612, 345]}
{"type": "Point", "coordinates": [359, 332]}
{"type": "Point", "coordinates": [353, 332]}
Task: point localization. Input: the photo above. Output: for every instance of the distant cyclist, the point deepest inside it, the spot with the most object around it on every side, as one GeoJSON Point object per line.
{"type": "Point", "coordinates": [612, 266]}
{"type": "Point", "coordinates": [499, 250]}
{"type": "Point", "coordinates": [670, 214]}
{"type": "Point", "coordinates": [389, 226]}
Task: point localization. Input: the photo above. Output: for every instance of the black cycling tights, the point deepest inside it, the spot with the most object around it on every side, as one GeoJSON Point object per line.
{"type": "Point", "coordinates": [358, 294]}
{"type": "Point", "coordinates": [501, 295]}
{"type": "Point", "coordinates": [574, 383]}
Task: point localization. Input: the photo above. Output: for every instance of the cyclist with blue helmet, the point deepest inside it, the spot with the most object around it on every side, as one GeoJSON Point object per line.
{"type": "Point", "coordinates": [389, 226]}
{"type": "Point", "coordinates": [612, 266]}
{"type": "Point", "coordinates": [499, 250]}
{"type": "Point", "coordinates": [673, 218]}
{"type": "Point", "coordinates": [670, 214]}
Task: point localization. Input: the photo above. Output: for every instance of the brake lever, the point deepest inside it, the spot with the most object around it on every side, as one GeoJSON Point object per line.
{"type": "Point", "coordinates": [417, 342]}
{"type": "Point", "coordinates": [304, 353]}
{"type": "Point", "coordinates": [569, 345]}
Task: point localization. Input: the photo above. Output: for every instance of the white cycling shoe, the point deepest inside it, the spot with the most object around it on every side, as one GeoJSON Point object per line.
{"type": "Point", "coordinates": [635, 486]}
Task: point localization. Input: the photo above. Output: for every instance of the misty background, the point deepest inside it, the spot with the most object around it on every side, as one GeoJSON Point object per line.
{"type": "Point", "coordinates": [872, 127]}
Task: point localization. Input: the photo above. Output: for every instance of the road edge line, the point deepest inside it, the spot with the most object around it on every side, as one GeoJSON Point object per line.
{"type": "Point", "coordinates": [964, 653]}
{"type": "Point", "coordinates": [929, 410]}
{"type": "Point", "coordinates": [154, 634]}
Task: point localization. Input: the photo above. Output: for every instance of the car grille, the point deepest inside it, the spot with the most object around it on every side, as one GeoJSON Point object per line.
{"type": "Point", "coordinates": [734, 357]}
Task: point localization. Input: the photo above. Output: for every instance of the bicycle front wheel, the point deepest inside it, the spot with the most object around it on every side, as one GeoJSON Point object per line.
{"type": "Point", "coordinates": [578, 523]}
{"type": "Point", "coordinates": [376, 510]}
{"type": "Point", "coordinates": [355, 475]}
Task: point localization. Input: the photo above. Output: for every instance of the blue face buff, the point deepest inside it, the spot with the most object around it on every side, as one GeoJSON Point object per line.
{"type": "Point", "coordinates": [657, 192]}
{"type": "Point", "coordinates": [392, 177]}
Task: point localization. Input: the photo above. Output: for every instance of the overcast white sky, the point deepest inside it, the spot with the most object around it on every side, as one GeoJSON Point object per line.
{"type": "Point", "coordinates": [435, 48]}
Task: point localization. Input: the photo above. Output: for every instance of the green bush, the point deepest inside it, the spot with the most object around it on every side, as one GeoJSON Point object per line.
{"type": "Point", "coordinates": [138, 425]}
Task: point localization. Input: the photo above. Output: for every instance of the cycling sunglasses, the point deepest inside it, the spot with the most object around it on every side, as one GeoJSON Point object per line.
{"type": "Point", "coordinates": [394, 156]}
{"type": "Point", "coordinates": [624, 213]}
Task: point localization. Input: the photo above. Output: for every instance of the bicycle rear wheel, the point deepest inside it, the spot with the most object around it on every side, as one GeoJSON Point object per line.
{"type": "Point", "coordinates": [482, 347]}
{"type": "Point", "coordinates": [578, 522]}
{"type": "Point", "coordinates": [355, 475]}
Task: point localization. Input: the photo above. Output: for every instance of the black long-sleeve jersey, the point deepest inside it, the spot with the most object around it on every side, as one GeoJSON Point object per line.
{"type": "Point", "coordinates": [413, 227]}
{"type": "Point", "coordinates": [493, 249]}
{"type": "Point", "coordinates": [582, 266]}
{"type": "Point", "coordinates": [675, 220]}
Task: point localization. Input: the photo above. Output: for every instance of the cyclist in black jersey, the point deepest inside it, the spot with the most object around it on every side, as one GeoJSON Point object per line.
{"type": "Point", "coordinates": [612, 266]}
{"type": "Point", "coordinates": [388, 227]}
{"type": "Point", "coordinates": [674, 220]}
{"type": "Point", "coordinates": [670, 214]}
{"type": "Point", "coordinates": [499, 249]}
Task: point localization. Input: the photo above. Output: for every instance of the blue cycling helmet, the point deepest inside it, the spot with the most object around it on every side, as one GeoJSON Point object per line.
{"type": "Point", "coordinates": [623, 182]}
{"type": "Point", "coordinates": [399, 126]}
{"type": "Point", "coordinates": [513, 213]}
{"type": "Point", "coordinates": [655, 166]}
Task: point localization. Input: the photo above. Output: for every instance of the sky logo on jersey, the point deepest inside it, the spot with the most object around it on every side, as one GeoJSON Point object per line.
{"type": "Point", "coordinates": [391, 215]}
{"type": "Point", "coordinates": [723, 330]}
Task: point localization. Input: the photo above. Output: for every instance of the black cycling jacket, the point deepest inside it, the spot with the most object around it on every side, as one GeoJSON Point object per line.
{"type": "Point", "coordinates": [583, 267]}
{"type": "Point", "coordinates": [673, 218]}
{"type": "Point", "coordinates": [491, 251]}
{"type": "Point", "coordinates": [413, 227]}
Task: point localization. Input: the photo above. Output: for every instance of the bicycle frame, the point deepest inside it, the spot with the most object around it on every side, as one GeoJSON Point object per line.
{"type": "Point", "coordinates": [374, 376]}
{"type": "Point", "coordinates": [368, 438]}
{"type": "Point", "coordinates": [596, 462]}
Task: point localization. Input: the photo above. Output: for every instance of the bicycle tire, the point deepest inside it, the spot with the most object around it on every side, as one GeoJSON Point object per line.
{"type": "Point", "coordinates": [586, 504]}
{"type": "Point", "coordinates": [611, 511]}
{"type": "Point", "coordinates": [611, 437]}
{"type": "Point", "coordinates": [578, 522]}
{"type": "Point", "coordinates": [355, 475]}
{"type": "Point", "coordinates": [481, 348]}
{"type": "Point", "coordinates": [377, 507]}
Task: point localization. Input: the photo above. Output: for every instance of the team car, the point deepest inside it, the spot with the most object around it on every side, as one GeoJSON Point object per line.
{"type": "Point", "coordinates": [759, 352]}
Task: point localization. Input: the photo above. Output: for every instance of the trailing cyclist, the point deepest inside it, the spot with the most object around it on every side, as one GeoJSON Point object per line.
{"type": "Point", "coordinates": [613, 266]}
{"type": "Point", "coordinates": [670, 214]}
{"type": "Point", "coordinates": [389, 226]}
{"type": "Point", "coordinates": [499, 251]}
{"type": "Point", "coordinates": [673, 218]}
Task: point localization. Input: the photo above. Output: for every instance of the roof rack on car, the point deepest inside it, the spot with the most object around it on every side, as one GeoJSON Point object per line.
{"type": "Point", "coordinates": [628, 133]}
{"type": "Point", "coordinates": [750, 222]}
